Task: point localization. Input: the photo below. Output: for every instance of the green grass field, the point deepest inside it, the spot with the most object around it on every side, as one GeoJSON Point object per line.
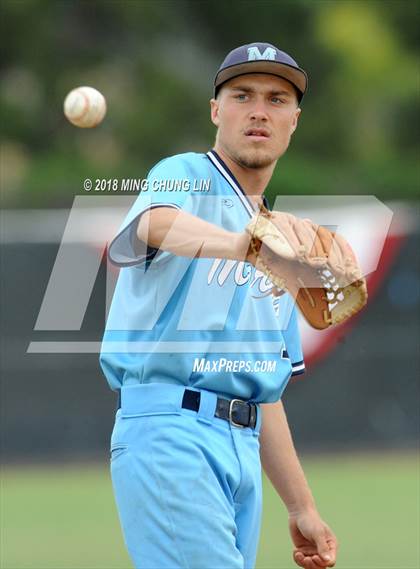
{"type": "Point", "coordinates": [64, 516]}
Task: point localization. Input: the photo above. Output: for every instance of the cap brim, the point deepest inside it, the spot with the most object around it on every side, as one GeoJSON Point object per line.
{"type": "Point", "coordinates": [295, 75]}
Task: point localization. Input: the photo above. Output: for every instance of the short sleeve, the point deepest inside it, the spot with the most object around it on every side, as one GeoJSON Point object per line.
{"type": "Point", "coordinates": [168, 185]}
{"type": "Point", "coordinates": [293, 343]}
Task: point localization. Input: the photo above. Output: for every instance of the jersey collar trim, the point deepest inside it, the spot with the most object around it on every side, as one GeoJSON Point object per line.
{"type": "Point", "coordinates": [229, 177]}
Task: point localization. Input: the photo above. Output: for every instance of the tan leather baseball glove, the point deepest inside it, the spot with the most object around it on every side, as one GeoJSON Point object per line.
{"type": "Point", "coordinates": [316, 266]}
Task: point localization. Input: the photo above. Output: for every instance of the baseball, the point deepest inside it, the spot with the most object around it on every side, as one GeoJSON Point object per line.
{"type": "Point", "coordinates": [85, 107]}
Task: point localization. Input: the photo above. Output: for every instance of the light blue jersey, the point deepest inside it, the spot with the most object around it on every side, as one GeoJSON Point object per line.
{"type": "Point", "coordinates": [205, 323]}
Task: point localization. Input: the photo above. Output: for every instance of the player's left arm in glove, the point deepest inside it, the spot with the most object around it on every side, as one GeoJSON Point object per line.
{"type": "Point", "coordinates": [317, 267]}
{"type": "Point", "coordinates": [315, 545]}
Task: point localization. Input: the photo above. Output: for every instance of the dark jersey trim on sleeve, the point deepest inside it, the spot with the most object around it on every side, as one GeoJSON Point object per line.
{"type": "Point", "coordinates": [127, 234]}
{"type": "Point", "coordinates": [298, 368]}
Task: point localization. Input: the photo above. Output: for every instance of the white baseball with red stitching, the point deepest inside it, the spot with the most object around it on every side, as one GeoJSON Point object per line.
{"type": "Point", "coordinates": [85, 107]}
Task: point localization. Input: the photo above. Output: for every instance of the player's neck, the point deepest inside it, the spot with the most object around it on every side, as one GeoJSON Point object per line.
{"type": "Point", "coordinates": [253, 181]}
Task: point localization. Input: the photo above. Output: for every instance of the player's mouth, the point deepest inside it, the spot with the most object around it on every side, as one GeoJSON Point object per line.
{"type": "Point", "coordinates": [257, 133]}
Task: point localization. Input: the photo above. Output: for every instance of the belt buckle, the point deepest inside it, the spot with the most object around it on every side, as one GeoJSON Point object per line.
{"type": "Point", "coordinates": [231, 421]}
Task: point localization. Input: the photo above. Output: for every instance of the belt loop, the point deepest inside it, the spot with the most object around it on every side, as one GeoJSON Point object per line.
{"type": "Point", "coordinates": [208, 401]}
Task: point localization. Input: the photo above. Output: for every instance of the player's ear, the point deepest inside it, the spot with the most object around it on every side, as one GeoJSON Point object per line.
{"type": "Point", "coordinates": [214, 111]}
{"type": "Point", "coordinates": [295, 120]}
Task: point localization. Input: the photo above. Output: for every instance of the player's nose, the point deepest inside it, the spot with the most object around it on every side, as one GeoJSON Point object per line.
{"type": "Point", "coordinates": [258, 111]}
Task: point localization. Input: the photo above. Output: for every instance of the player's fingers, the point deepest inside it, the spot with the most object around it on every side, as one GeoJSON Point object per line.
{"type": "Point", "coordinates": [333, 548]}
{"type": "Point", "coordinates": [308, 563]}
{"type": "Point", "coordinates": [320, 562]}
{"type": "Point", "coordinates": [304, 559]}
{"type": "Point", "coordinates": [323, 547]}
{"type": "Point", "coordinates": [298, 558]}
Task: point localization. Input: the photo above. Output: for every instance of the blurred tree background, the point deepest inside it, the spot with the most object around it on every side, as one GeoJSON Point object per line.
{"type": "Point", "coordinates": [155, 61]}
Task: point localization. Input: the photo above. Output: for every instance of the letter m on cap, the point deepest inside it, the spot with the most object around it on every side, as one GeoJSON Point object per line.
{"type": "Point", "coordinates": [254, 53]}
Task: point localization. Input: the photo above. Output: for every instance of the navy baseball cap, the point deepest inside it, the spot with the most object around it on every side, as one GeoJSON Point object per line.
{"type": "Point", "coordinates": [261, 57]}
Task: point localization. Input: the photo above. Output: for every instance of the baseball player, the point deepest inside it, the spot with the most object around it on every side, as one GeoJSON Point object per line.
{"type": "Point", "coordinates": [200, 350]}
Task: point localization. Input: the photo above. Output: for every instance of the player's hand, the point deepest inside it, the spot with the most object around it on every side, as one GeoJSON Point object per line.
{"type": "Point", "coordinates": [315, 544]}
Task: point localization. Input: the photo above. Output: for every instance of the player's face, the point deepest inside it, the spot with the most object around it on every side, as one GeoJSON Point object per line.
{"type": "Point", "coordinates": [256, 115]}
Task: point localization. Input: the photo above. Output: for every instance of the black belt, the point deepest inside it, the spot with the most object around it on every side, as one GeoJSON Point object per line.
{"type": "Point", "coordinates": [239, 413]}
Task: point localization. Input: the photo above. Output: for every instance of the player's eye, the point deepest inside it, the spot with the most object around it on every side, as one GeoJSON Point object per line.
{"type": "Point", "coordinates": [241, 97]}
{"type": "Point", "coordinates": [277, 100]}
